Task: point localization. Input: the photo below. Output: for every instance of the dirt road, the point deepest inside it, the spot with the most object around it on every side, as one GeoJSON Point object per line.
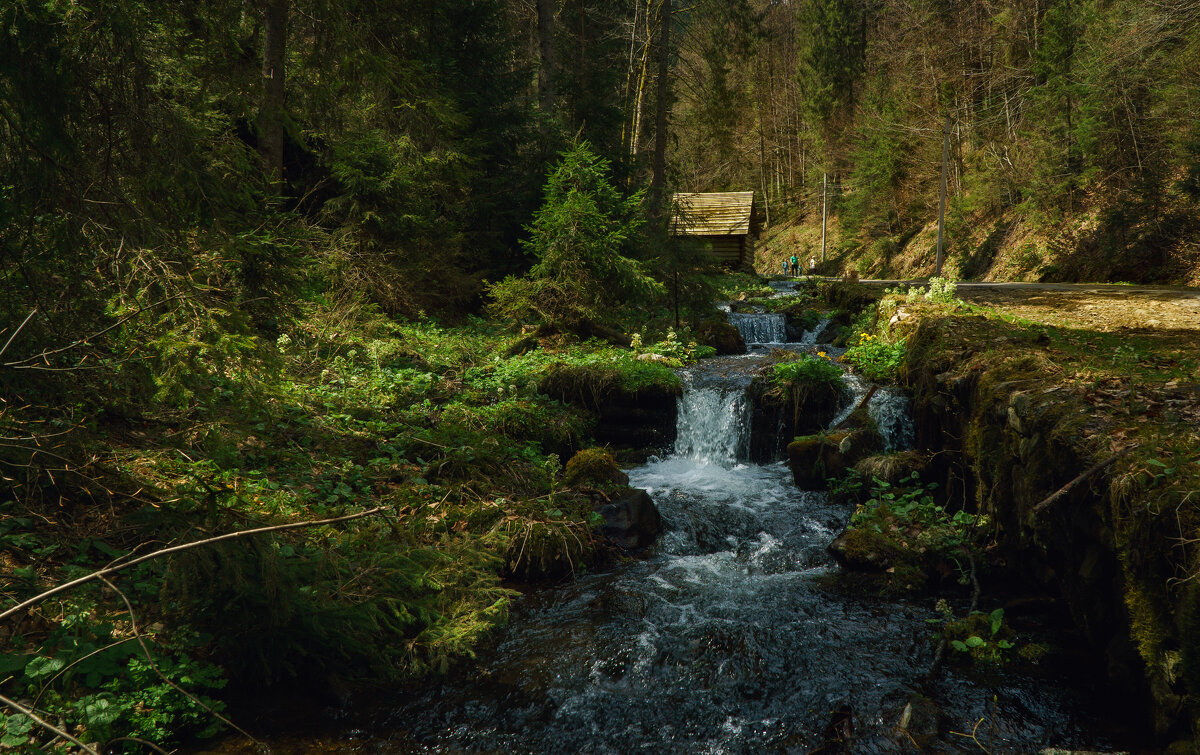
{"type": "Point", "coordinates": [1103, 307]}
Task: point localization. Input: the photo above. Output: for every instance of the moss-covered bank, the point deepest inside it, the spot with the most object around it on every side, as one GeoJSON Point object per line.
{"type": "Point", "coordinates": [1080, 449]}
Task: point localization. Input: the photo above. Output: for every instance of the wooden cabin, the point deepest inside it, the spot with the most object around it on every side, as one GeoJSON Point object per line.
{"type": "Point", "coordinates": [725, 219]}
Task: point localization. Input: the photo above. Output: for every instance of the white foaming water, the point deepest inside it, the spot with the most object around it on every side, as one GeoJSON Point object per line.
{"type": "Point", "coordinates": [760, 328]}
{"type": "Point", "coordinates": [723, 641]}
{"type": "Point", "coordinates": [713, 425]}
{"type": "Point", "coordinates": [810, 336]}
{"type": "Point", "coordinates": [889, 409]}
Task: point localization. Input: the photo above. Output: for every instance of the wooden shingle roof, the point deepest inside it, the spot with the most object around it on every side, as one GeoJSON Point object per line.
{"type": "Point", "coordinates": [725, 213]}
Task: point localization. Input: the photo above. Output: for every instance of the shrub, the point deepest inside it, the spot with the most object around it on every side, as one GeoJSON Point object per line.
{"type": "Point", "coordinates": [578, 236]}
{"type": "Point", "coordinates": [809, 370]}
{"type": "Point", "coordinates": [875, 358]}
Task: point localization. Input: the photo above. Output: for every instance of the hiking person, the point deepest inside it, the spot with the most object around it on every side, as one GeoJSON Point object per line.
{"type": "Point", "coordinates": [785, 266]}
{"type": "Point", "coordinates": [795, 265]}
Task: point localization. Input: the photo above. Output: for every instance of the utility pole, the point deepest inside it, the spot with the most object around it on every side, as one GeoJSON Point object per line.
{"type": "Point", "coordinates": [824, 176]}
{"type": "Point", "coordinates": [942, 197]}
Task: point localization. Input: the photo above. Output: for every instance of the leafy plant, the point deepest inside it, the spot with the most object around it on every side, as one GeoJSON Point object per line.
{"type": "Point", "coordinates": [984, 637]}
{"type": "Point", "coordinates": [876, 358]}
{"type": "Point", "coordinates": [940, 291]}
{"type": "Point", "coordinates": [810, 370]}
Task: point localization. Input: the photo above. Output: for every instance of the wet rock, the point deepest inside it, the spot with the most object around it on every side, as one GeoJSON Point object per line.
{"type": "Point", "coordinates": [838, 735]}
{"type": "Point", "coordinates": [816, 459]}
{"type": "Point", "coordinates": [632, 521]}
{"type": "Point", "coordinates": [862, 548]}
{"type": "Point", "coordinates": [722, 336]}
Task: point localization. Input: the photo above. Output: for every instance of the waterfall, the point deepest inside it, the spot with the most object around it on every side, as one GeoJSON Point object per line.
{"type": "Point", "coordinates": [713, 425]}
{"type": "Point", "coordinates": [890, 410]}
{"type": "Point", "coordinates": [760, 328]}
{"type": "Point", "coordinates": [810, 336]}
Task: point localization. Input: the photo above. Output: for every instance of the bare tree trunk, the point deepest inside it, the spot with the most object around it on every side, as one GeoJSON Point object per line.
{"type": "Point", "coordinates": [658, 177]}
{"type": "Point", "coordinates": [271, 116]}
{"type": "Point", "coordinates": [545, 30]}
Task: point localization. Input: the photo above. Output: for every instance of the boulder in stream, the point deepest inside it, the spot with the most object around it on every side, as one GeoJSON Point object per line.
{"type": "Point", "coordinates": [631, 521]}
{"type": "Point", "coordinates": [721, 335]}
{"type": "Point", "coordinates": [816, 459]}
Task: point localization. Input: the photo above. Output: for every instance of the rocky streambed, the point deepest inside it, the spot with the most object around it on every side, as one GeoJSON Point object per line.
{"type": "Point", "coordinates": [738, 632]}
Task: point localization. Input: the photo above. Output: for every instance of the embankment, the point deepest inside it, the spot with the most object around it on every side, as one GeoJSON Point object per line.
{"type": "Point", "coordinates": [1087, 484]}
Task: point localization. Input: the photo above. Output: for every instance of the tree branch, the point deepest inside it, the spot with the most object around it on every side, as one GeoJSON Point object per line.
{"type": "Point", "coordinates": [23, 363]}
{"type": "Point", "coordinates": [100, 574]}
{"type": "Point", "coordinates": [1044, 503]}
{"type": "Point", "coordinates": [46, 725]}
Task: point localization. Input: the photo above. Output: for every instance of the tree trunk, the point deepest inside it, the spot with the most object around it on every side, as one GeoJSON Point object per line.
{"type": "Point", "coordinates": [658, 177]}
{"type": "Point", "coordinates": [545, 31]}
{"type": "Point", "coordinates": [271, 115]}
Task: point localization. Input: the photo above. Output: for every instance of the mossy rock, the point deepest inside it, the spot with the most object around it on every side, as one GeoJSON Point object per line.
{"type": "Point", "coordinates": [814, 460]}
{"type": "Point", "coordinates": [817, 459]}
{"type": "Point", "coordinates": [875, 562]}
{"type": "Point", "coordinates": [864, 548]}
{"type": "Point", "coordinates": [721, 335]}
{"type": "Point", "coordinates": [893, 467]}
{"type": "Point", "coordinates": [594, 467]}
{"type": "Point", "coordinates": [851, 297]}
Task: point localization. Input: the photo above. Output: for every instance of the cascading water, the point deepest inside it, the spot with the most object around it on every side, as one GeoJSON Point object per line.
{"type": "Point", "coordinates": [729, 639]}
{"type": "Point", "coordinates": [760, 328]}
{"type": "Point", "coordinates": [889, 408]}
{"type": "Point", "coordinates": [810, 336]}
{"type": "Point", "coordinates": [713, 424]}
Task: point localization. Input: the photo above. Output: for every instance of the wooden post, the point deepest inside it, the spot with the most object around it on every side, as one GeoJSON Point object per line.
{"type": "Point", "coordinates": [824, 176]}
{"type": "Point", "coordinates": [677, 299]}
{"type": "Point", "coordinates": [942, 198]}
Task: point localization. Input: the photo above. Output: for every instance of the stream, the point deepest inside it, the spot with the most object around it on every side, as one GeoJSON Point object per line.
{"type": "Point", "coordinates": [735, 636]}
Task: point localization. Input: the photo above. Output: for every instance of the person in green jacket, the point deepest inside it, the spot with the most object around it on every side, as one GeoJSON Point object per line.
{"type": "Point", "coordinates": [795, 265]}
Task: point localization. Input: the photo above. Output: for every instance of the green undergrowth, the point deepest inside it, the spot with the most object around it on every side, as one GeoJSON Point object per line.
{"type": "Point", "coordinates": [907, 517]}
{"type": "Point", "coordinates": [445, 427]}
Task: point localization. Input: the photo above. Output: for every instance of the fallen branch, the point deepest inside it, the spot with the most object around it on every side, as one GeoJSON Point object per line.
{"type": "Point", "coordinates": [154, 667]}
{"type": "Point", "coordinates": [24, 363]}
{"type": "Point", "coordinates": [861, 404]}
{"type": "Point", "coordinates": [101, 573]}
{"type": "Point", "coordinates": [1046, 502]}
{"type": "Point", "coordinates": [47, 725]}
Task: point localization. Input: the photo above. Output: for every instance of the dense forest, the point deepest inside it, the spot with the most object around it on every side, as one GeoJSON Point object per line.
{"type": "Point", "coordinates": [1072, 131]}
{"type": "Point", "coordinates": [266, 263]}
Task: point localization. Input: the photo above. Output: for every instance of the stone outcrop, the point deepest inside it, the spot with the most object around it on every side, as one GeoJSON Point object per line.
{"type": "Point", "coordinates": [817, 459]}
{"type": "Point", "coordinates": [1013, 444]}
{"type": "Point", "coordinates": [721, 335]}
{"type": "Point", "coordinates": [634, 423]}
{"type": "Point", "coordinates": [632, 521]}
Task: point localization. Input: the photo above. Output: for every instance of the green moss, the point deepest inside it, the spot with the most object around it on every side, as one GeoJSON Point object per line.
{"type": "Point", "coordinates": [1034, 652]}
{"type": "Point", "coordinates": [1187, 619]}
{"type": "Point", "coordinates": [595, 467]}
